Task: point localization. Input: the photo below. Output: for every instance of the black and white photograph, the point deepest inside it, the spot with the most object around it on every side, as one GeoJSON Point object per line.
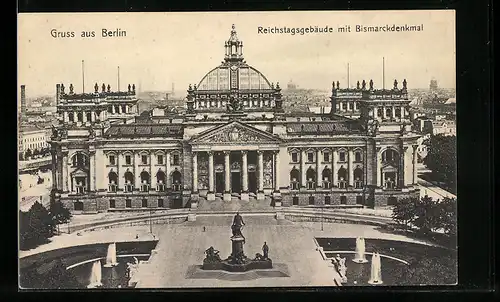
{"type": "Point", "coordinates": [270, 149]}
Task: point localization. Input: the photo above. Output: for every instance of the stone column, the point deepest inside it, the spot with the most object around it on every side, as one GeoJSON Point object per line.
{"type": "Point", "coordinates": [375, 112]}
{"type": "Point", "coordinates": [113, 111]}
{"type": "Point", "coordinates": [84, 117]}
{"type": "Point", "coordinates": [119, 107]}
{"type": "Point", "coordinates": [137, 172]}
{"type": "Point", "coordinates": [319, 181]}
{"type": "Point", "coordinates": [351, 168]}
{"type": "Point", "coordinates": [92, 169]}
{"type": "Point", "coordinates": [92, 116]}
{"type": "Point", "coordinates": [65, 117]}
{"type": "Point", "coordinates": [195, 172]}
{"type": "Point", "coordinates": [211, 176]}
{"type": "Point", "coordinates": [65, 173]}
{"type": "Point", "coordinates": [334, 167]}
{"type": "Point", "coordinates": [260, 192]}
{"type": "Point", "coordinates": [167, 170]}
{"type": "Point", "coordinates": [393, 109]}
{"type": "Point", "coordinates": [244, 193]}
{"type": "Point", "coordinates": [384, 113]}
{"type": "Point", "coordinates": [227, 178]}
{"type": "Point", "coordinates": [402, 112]}
{"type": "Point", "coordinates": [379, 168]}
{"type": "Point", "coordinates": [277, 172]}
{"type": "Point", "coordinates": [415, 175]}
{"type": "Point", "coordinates": [303, 178]}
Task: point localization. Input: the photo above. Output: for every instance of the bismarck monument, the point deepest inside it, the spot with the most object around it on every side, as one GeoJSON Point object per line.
{"type": "Point", "coordinates": [237, 261]}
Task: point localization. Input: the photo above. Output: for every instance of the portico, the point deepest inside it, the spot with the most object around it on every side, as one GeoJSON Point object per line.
{"type": "Point", "coordinates": [235, 160]}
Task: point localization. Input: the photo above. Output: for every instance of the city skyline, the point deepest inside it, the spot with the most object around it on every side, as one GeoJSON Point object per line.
{"type": "Point", "coordinates": [163, 48]}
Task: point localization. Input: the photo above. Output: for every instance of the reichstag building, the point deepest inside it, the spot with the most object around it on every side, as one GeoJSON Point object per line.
{"type": "Point", "coordinates": [234, 140]}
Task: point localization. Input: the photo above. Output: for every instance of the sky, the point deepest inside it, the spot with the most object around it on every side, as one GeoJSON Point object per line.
{"type": "Point", "coordinates": [164, 48]}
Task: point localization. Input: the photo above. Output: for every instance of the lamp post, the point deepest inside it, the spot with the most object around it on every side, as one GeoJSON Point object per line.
{"type": "Point", "coordinates": [322, 218]}
{"type": "Point", "coordinates": [150, 221]}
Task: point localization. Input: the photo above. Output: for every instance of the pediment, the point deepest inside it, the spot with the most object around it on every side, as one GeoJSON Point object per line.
{"type": "Point", "coordinates": [79, 173]}
{"type": "Point", "coordinates": [235, 133]}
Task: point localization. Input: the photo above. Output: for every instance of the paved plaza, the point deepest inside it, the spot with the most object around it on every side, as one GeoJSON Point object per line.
{"type": "Point", "coordinates": [292, 244]}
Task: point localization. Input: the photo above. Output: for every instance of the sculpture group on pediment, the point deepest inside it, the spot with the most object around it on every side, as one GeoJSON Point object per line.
{"type": "Point", "coordinates": [235, 135]}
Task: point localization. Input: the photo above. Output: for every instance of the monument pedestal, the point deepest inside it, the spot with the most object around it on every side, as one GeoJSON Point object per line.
{"type": "Point", "coordinates": [227, 196]}
{"type": "Point", "coordinates": [237, 247]}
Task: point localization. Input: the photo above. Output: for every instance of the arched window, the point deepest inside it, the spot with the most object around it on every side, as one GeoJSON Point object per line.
{"type": "Point", "coordinates": [79, 160]}
{"type": "Point", "coordinates": [388, 113]}
{"type": "Point", "coordinates": [89, 116]}
{"type": "Point", "coordinates": [160, 176]}
{"type": "Point", "coordinates": [311, 179]}
{"type": "Point", "coordinates": [380, 112]}
{"type": "Point", "coordinates": [71, 117]}
{"type": "Point", "coordinates": [389, 156]}
{"type": "Point", "coordinates": [357, 156]}
{"type": "Point", "coordinates": [145, 181]}
{"type": "Point", "coordinates": [129, 181]}
{"type": "Point", "coordinates": [294, 179]}
{"type": "Point", "coordinates": [327, 178]}
{"type": "Point", "coordinates": [358, 178]}
{"type": "Point", "coordinates": [342, 178]}
{"type": "Point", "coordinates": [113, 181]}
{"type": "Point", "coordinates": [176, 181]}
{"type": "Point", "coordinates": [79, 116]}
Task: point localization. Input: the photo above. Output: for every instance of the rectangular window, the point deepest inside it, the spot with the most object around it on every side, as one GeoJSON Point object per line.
{"type": "Point", "coordinates": [342, 156]}
{"type": "Point", "coordinates": [112, 160]}
{"type": "Point", "coordinates": [328, 200]}
{"type": "Point", "coordinates": [295, 157]}
{"type": "Point", "coordinates": [160, 203]}
{"type": "Point", "coordinates": [311, 200]}
{"type": "Point", "coordinates": [128, 160]}
{"type": "Point", "coordinates": [160, 159]}
{"type": "Point", "coordinates": [295, 201]}
{"type": "Point", "coordinates": [326, 157]}
{"type": "Point", "coordinates": [112, 204]}
{"type": "Point", "coordinates": [144, 203]}
{"type": "Point", "coordinates": [144, 159]}
{"type": "Point", "coordinates": [128, 203]}
{"type": "Point", "coordinates": [343, 199]}
{"type": "Point", "coordinates": [175, 160]}
{"type": "Point", "coordinates": [310, 157]}
{"type": "Point", "coordinates": [359, 199]}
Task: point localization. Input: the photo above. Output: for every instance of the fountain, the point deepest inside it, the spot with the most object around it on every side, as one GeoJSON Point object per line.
{"type": "Point", "coordinates": [360, 251]}
{"type": "Point", "coordinates": [111, 256]}
{"type": "Point", "coordinates": [95, 275]}
{"type": "Point", "coordinates": [376, 274]}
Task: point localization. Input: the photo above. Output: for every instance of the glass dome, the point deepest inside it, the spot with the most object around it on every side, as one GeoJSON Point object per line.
{"type": "Point", "coordinates": [241, 77]}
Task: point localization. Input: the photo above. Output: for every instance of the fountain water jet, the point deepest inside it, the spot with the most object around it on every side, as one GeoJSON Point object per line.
{"type": "Point", "coordinates": [111, 256]}
{"type": "Point", "coordinates": [376, 273]}
{"type": "Point", "coordinates": [360, 251]}
{"type": "Point", "coordinates": [95, 275]}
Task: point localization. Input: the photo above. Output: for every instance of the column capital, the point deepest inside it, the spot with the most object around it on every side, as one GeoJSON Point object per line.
{"type": "Point", "coordinates": [226, 153]}
{"type": "Point", "coordinates": [194, 153]}
{"type": "Point", "coordinates": [210, 153]}
{"type": "Point", "coordinates": [260, 152]}
{"type": "Point", "coordinates": [244, 152]}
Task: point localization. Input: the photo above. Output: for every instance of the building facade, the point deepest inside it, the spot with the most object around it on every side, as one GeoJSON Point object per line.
{"type": "Point", "coordinates": [234, 140]}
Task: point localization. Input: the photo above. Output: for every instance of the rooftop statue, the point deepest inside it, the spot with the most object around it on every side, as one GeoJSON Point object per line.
{"type": "Point", "coordinates": [395, 84]}
{"type": "Point", "coordinates": [62, 88]}
{"type": "Point", "coordinates": [363, 85]}
{"type": "Point", "coordinates": [338, 85]}
{"type": "Point", "coordinates": [96, 88]}
{"type": "Point", "coordinates": [404, 84]}
{"type": "Point", "coordinates": [109, 88]}
{"type": "Point", "coordinates": [103, 87]}
{"type": "Point", "coordinates": [234, 104]}
{"type": "Point", "coordinates": [129, 87]}
{"type": "Point", "coordinates": [357, 85]}
{"type": "Point", "coordinates": [371, 84]}
{"type": "Point", "coordinates": [70, 88]}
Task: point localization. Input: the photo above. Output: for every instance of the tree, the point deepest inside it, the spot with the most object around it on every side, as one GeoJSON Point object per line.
{"type": "Point", "coordinates": [28, 154]}
{"type": "Point", "coordinates": [36, 226]}
{"type": "Point", "coordinates": [404, 211]}
{"type": "Point", "coordinates": [427, 215]}
{"type": "Point", "coordinates": [448, 215]}
{"type": "Point", "coordinates": [59, 213]}
{"type": "Point", "coordinates": [442, 159]}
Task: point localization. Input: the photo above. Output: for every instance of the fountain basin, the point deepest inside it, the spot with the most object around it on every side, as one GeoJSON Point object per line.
{"type": "Point", "coordinates": [226, 265]}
